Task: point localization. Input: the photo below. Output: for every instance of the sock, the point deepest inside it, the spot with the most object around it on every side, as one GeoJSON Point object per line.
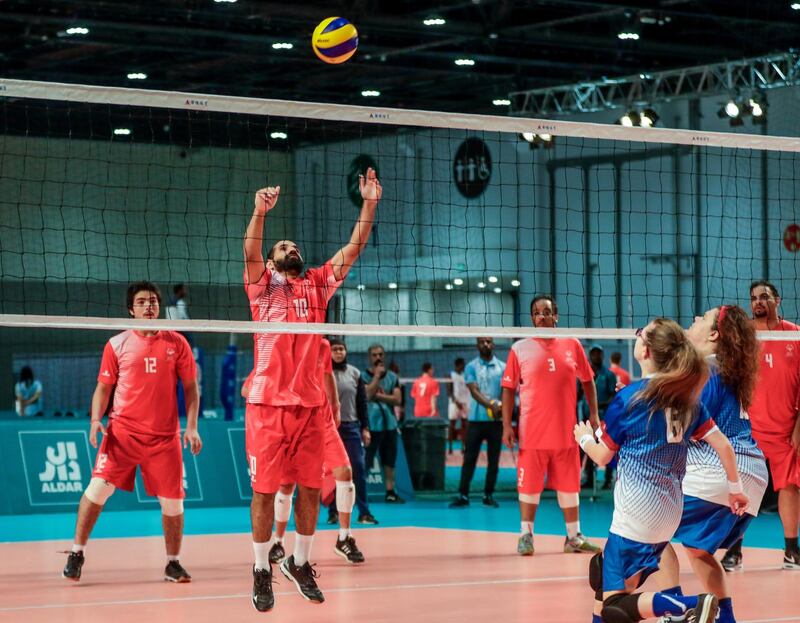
{"type": "Point", "coordinates": [573, 529]}
{"type": "Point", "coordinates": [276, 539]}
{"type": "Point", "coordinates": [596, 618]}
{"type": "Point", "coordinates": [171, 558]}
{"type": "Point", "coordinates": [726, 611]}
{"type": "Point", "coordinates": [302, 548]}
{"type": "Point", "coordinates": [736, 548]}
{"type": "Point", "coordinates": [675, 590]}
{"type": "Point", "coordinates": [672, 604]}
{"type": "Point", "coordinates": [261, 551]}
{"type": "Point", "coordinates": [791, 544]}
{"type": "Point", "coordinates": [77, 547]}
{"type": "Point", "coordinates": [344, 533]}
{"type": "Point", "coordinates": [526, 527]}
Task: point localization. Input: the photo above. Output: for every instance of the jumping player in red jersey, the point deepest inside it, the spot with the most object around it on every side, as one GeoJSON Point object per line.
{"type": "Point", "coordinates": [285, 419]}
{"type": "Point", "coordinates": [141, 369]}
{"type": "Point", "coordinates": [774, 418]}
{"type": "Point", "coordinates": [545, 369]}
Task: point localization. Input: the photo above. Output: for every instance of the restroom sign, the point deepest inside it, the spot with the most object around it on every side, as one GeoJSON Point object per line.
{"type": "Point", "coordinates": [472, 168]}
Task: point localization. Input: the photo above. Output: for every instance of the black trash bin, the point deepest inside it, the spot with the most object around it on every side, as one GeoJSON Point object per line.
{"type": "Point", "coordinates": [425, 442]}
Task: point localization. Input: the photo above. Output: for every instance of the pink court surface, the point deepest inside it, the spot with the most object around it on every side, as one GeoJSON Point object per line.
{"type": "Point", "coordinates": [411, 574]}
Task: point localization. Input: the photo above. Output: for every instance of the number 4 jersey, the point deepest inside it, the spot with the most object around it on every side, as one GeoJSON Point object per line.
{"type": "Point", "coordinates": [145, 371]}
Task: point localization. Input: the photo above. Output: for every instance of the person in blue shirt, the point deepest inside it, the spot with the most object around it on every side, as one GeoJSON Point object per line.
{"type": "Point", "coordinates": [483, 376]}
{"type": "Point", "coordinates": [28, 394]}
{"type": "Point", "coordinates": [727, 338]}
{"type": "Point", "coordinates": [648, 425]}
{"type": "Point", "coordinates": [605, 383]}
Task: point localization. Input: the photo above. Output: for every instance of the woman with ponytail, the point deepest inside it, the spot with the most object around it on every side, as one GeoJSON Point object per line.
{"type": "Point", "coordinates": [727, 338]}
{"type": "Point", "coordinates": [649, 424]}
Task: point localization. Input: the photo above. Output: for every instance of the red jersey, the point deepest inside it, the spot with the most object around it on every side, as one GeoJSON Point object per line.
{"type": "Point", "coordinates": [421, 391]}
{"type": "Point", "coordinates": [285, 365]}
{"type": "Point", "coordinates": [545, 371]}
{"type": "Point", "coordinates": [145, 371]}
{"type": "Point", "coordinates": [621, 374]}
{"type": "Point", "coordinates": [775, 401]}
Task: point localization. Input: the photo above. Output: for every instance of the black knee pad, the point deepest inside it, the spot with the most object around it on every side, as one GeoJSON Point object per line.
{"type": "Point", "coordinates": [621, 608]}
{"type": "Point", "coordinates": [596, 575]}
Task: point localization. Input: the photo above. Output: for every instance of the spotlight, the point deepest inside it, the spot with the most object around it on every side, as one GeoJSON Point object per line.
{"type": "Point", "coordinates": [629, 119]}
{"type": "Point", "coordinates": [492, 279]}
{"type": "Point", "coordinates": [361, 286]}
{"type": "Point", "coordinates": [282, 45]}
{"type": "Point", "coordinates": [392, 286]}
{"type": "Point", "coordinates": [628, 35]}
{"type": "Point", "coordinates": [465, 61]}
{"type": "Point", "coordinates": [498, 290]}
{"type": "Point", "coordinates": [370, 93]}
{"type": "Point", "coordinates": [501, 102]}
{"type": "Point", "coordinates": [756, 107]}
{"type": "Point", "coordinates": [537, 140]}
{"type": "Point", "coordinates": [528, 136]}
{"type": "Point", "coordinates": [122, 132]}
{"type": "Point", "coordinates": [648, 118]}
{"type": "Point", "coordinates": [481, 285]}
{"type": "Point", "coordinates": [279, 135]}
{"type": "Point", "coordinates": [516, 283]}
{"type": "Point", "coordinates": [137, 76]}
{"type": "Point", "coordinates": [732, 109]}
{"type": "Point", "coordinates": [448, 286]}
{"type": "Point", "coordinates": [434, 21]}
{"type": "Point", "coordinates": [458, 281]}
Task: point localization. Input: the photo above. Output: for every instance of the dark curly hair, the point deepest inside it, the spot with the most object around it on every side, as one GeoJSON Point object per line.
{"type": "Point", "coordinates": [737, 352]}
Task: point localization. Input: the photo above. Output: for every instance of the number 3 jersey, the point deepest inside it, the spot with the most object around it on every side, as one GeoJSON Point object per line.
{"type": "Point", "coordinates": [545, 371]}
{"type": "Point", "coordinates": [285, 365]}
{"type": "Point", "coordinates": [145, 371]}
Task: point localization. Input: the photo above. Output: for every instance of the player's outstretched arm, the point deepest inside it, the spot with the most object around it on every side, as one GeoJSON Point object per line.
{"type": "Point", "coordinates": [191, 438]}
{"type": "Point", "coordinates": [597, 451]}
{"type": "Point", "coordinates": [737, 499]}
{"type": "Point", "coordinates": [266, 198]}
{"type": "Point", "coordinates": [100, 398]}
{"type": "Point", "coordinates": [371, 193]}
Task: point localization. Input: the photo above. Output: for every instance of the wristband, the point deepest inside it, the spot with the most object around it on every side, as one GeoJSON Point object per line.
{"type": "Point", "coordinates": [735, 487]}
{"type": "Point", "coordinates": [584, 440]}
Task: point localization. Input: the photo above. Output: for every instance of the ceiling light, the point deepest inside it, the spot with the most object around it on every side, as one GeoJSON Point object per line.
{"type": "Point", "coordinates": [493, 35]}
{"type": "Point", "coordinates": [465, 61]}
{"type": "Point", "coordinates": [755, 108]}
{"type": "Point", "coordinates": [77, 30]}
{"type": "Point", "coordinates": [501, 102]}
{"type": "Point", "coordinates": [498, 290]}
{"type": "Point", "coordinates": [528, 136]}
{"type": "Point", "coordinates": [434, 21]}
{"type": "Point", "coordinates": [448, 286]}
{"type": "Point", "coordinates": [648, 118]}
{"type": "Point", "coordinates": [392, 285]}
{"type": "Point", "coordinates": [279, 135]}
{"type": "Point", "coordinates": [137, 76]}
{"type": "Point", "coordinates": [122, 132]}
{"type": "Point", "coordinates": [282, 45]}
{"type": "Point", "coordinates": [629, 119]}
{"type": "Point", "coordinates": [795, 6]}
{"type": "Point", "coordinates": [546, 137]}
{"type": "Point", "coordinates": [228, 1]}
{"type": "Point", "coordinates": [481, 284]}
{"type": "Point", "coordinates": [370, 93]}
{"type": "Point", "coordinates": [627, 35]}
{"type": "Point", "coordinates": [458, 281]}
{"type": "Point", "coordinates": [732, 109]}
{"type": "Point", "coordinates": [492, 279]}
{"type": "Point", "coordinates": [361, 286]}
{"type": "Point", "coordinates": [516, 283]}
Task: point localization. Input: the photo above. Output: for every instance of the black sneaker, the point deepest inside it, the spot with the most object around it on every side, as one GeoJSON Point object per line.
{"type": "Point", "coordinates": [277, 553]}
{"type": "Point", "coordinates": [174, 572]}
{"type": "Point", "coordinates": [303, 578]}
{"type": "Point", "coordinates": [705, 611]}
{"type": "Point", "coordinates": [72, 570]}
{"type": "Point", "coordinates": [348, 550]}
{"type": "Point", "coordinates": [488, 500]}
{"type": "Point", "coordinates": [393, 498]}
{"type": "Point", "coordinates": [732, 560]}
{"type": "Point", "coordinates": [333, 518]}
{"type": "Point", "coordinates": [263, 597]}
{"type": "Point", "coordinates": [791, 559]}
{"type": "Point", "coordinates": [367, 518]}
{"type": "Point", "coordinates": [461, 501]}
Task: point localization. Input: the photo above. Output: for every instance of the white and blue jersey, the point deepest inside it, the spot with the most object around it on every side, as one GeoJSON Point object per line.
{"type": "Point", "coordinates": [705, 477]}
{"type": "Point", "coordinates": [648, 500]}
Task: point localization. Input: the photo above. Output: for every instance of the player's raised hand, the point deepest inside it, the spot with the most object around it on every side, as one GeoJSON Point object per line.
{"type": "Point", "coordinates": [96, 427]}
{"type": "Point", "coordinates": [191, 439]}
{"type": "Point", "coordinates": [370, 186]}
{"type": "Point", "coordinates": [738, 503]}
{"type": "Point", "coordinates": [266, 198]}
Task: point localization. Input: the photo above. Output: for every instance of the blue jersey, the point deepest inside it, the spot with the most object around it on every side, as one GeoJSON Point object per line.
{"type": "Point", "coordinates": [705, 476]}
{"type": "Point", "coordinates": [648, 501]}
{"type": "Point", "coordinates": [487, 375]}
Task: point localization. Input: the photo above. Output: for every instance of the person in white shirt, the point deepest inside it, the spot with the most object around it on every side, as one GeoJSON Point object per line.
{"type": "Point", "coordinates": [457, 405]}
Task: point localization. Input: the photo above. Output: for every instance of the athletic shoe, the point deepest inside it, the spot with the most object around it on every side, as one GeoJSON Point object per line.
{"type": "Point", "coordinates": [525, 545]}
{"type": "Point", "coordinates": [579, 544]}
{"type": "Point", "coordinates": [333, 518]}
{"type": "Point", "coordinates": [732, 560]}
{"type": "Point", "coordinates": [367, 518]}
{"type": "Point", "coordinates": [277, 553]}
{"type": "Point", "coordinates": [347, 549]}
{"type": "Point", "coordinates": [174, 572]}
{"type": "Point", "coordinates": [705, 611]}
{"type": "Point", "coordinates": [460, 502]}
{"type": "Point", "coordinates": [303, 578]}
{"type": "Point", "coordinates": [393, 498]}
{"type": "Point", "coordinates": [263, 597]}
{"type": "Point", "coordinates": [488, 500]}
{"type": "Point", "coordinates": [791, 559]}
{"type": "Point", "coordinates": [72, 570]}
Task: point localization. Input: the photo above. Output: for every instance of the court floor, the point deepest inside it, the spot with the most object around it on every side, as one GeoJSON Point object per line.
{"type": "Point", "coordinates": [425, 573]}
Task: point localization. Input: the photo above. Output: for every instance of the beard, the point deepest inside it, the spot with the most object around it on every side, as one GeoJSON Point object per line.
{"type": "Point", "coordinates": [290, 263]}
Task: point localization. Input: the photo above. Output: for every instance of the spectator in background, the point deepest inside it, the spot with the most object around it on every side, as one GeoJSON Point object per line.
{"type": "Point", "coordinates": [399, 410]}
{"type": "Point", "coordinates": [383, 395]}
{"type": "Point", "coordinates": [178, 308]}
{"type": "Point", "coordinates": [425, 391]}
{"type": "Point", "coordinates": [457, 406]}
{"type": "Point", "coordinates": [28, 393]}
{"type": "Point", "coordinates": [623, 376]}
{"type": "Point", "coordinates": [483, 376]}
{"type": "Point", "coordinates": [605, 383]}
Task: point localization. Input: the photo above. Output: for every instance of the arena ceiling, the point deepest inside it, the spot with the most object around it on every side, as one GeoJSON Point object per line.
{"type": "Point", "coordinates": [226, 47]}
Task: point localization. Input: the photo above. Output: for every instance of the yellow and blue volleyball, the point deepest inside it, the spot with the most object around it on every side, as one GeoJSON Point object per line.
{"type": "Point", "coordinates": [335, 40]}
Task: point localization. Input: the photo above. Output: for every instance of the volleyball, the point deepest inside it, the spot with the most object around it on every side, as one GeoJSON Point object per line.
{"type": "Point", "coordinates": [335, 40]}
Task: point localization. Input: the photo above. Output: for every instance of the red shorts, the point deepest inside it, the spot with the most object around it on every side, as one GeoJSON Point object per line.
{"type": "Point", "coordinates": [335, 455]}
{"type": "Point", "coordinates": [284, 443]}
{"type": "Point", "coordinates": [159, 457]}
{"type": "Point", "coordinates": [784, 464]}
{"type": "Point", "coordinates": [561, 467]}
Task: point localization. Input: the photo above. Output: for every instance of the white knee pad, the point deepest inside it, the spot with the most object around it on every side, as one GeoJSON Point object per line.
{"type": "Point", "coordinates": [283, 507]}
{"type": "Point", "coordinates": [529, 498]}
{"type": "Point", "coordinates": [98, 491]}
{"type": "Point", "coordinates": [345, 496]}
{"type": "Point", "coordinates": [171, 507]}
{"type": "Point", "coordinates": [568, 500]}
